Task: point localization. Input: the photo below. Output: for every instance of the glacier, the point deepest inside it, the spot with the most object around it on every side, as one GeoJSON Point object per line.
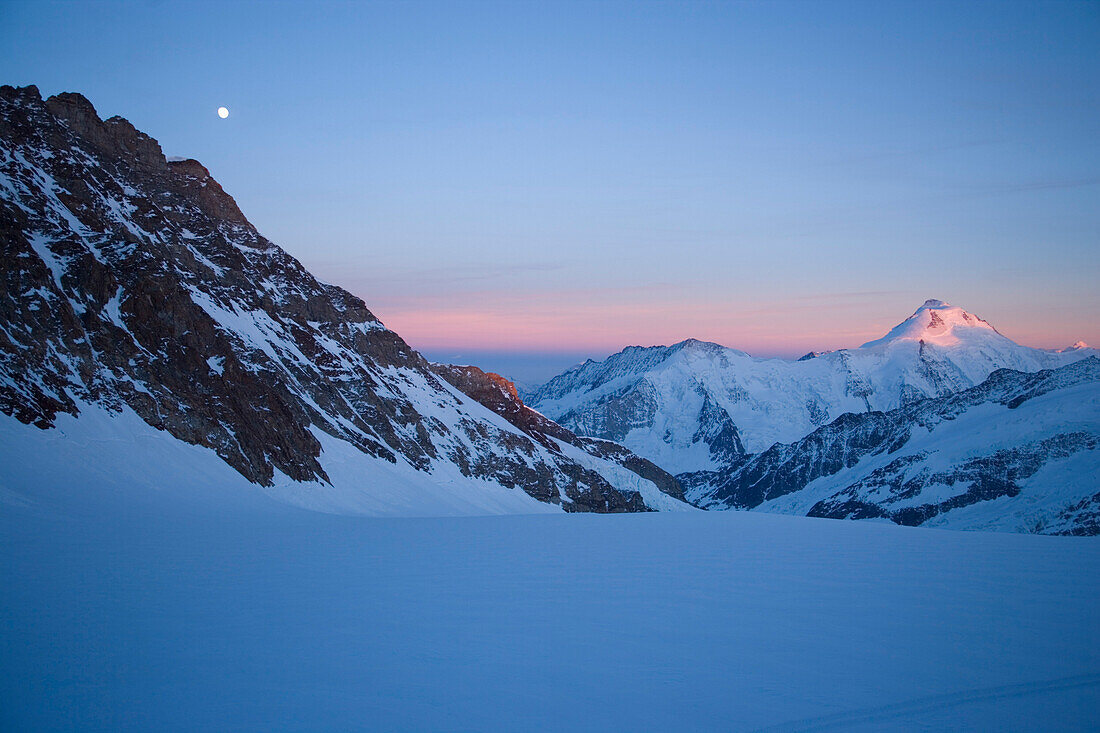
{"type": "Point", "coordinates": [226, 610]}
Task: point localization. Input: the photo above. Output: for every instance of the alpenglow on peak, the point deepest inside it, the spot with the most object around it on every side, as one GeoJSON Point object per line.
{"type": "Point", "coordinates": [938, 322]}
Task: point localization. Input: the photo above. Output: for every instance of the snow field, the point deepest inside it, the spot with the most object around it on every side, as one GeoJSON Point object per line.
{"type": "Point", "coordinates": [252, 615]}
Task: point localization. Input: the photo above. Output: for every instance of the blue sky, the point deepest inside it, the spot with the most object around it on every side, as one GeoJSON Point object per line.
{"type": "Point", "coordinates": [572, 178]}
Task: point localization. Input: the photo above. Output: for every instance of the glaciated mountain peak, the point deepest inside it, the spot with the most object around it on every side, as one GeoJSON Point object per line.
{"type": "Point", "coordinates": [940, 323]}
{"type": "Point", "coordinates": [692, 345]}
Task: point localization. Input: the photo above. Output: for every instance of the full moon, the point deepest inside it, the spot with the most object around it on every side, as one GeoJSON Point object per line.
{"type": "Point", "coordinates": [223, 112]}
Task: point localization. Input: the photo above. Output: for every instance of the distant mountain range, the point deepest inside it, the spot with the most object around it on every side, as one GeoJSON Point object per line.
{"type": "Point", "coordinates": [740, 431]}
{"type": "Point", "coordinates": [151, 335]}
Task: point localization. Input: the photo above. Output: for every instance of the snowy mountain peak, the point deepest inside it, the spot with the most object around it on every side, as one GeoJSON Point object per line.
{"type": "Point", "coordinates": [695, 345]}
{"type": "Point", "coordinates": [937, 322]}
{"type": "Point", "coordinates": [1077, 346]}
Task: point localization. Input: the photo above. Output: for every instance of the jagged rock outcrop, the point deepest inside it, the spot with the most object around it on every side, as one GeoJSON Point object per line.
{"type": "Point", "coordinates": [134, 283]}
{"type": "Point", "coordinates": [500, 396]}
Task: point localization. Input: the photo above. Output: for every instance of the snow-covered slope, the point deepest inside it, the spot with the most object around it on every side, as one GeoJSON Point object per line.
{"type": "Point", "coordinates": [101, 452]}
{"type": "Point", "coordinates": [695, 406]}
{"type": "Point", "coordinates": [135, 292]}
{"type": "Point", "coordinates": [1020, 452]}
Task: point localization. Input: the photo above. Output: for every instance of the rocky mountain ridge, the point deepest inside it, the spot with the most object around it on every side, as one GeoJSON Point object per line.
{"type": "Point", "coordinates": [501, 396]}
{"type": "Point", "coordinates": [1020, 451]}
{"type": "Point", "coordinates": [132, 283]}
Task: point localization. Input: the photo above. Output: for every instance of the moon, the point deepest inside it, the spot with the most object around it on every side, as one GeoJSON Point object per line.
{"type": "Point", "coordinates": [223, 112]}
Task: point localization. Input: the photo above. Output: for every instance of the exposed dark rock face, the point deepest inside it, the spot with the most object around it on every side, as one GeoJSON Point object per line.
{"type": "Point", "coordinates": [500, 396]}
{"type": "Point", "coordinates": [135, 283]}
{"type": "Point", "coordinates": [895, 489]}
{"type": "Point", "coordinates": [988, 477]}
{"type": "Point", "coordinates": [785, 468]}
{"type": "Point", "coordinates": [717, 431]}
{"type": "Point", "coordinates": [1082, 518]}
